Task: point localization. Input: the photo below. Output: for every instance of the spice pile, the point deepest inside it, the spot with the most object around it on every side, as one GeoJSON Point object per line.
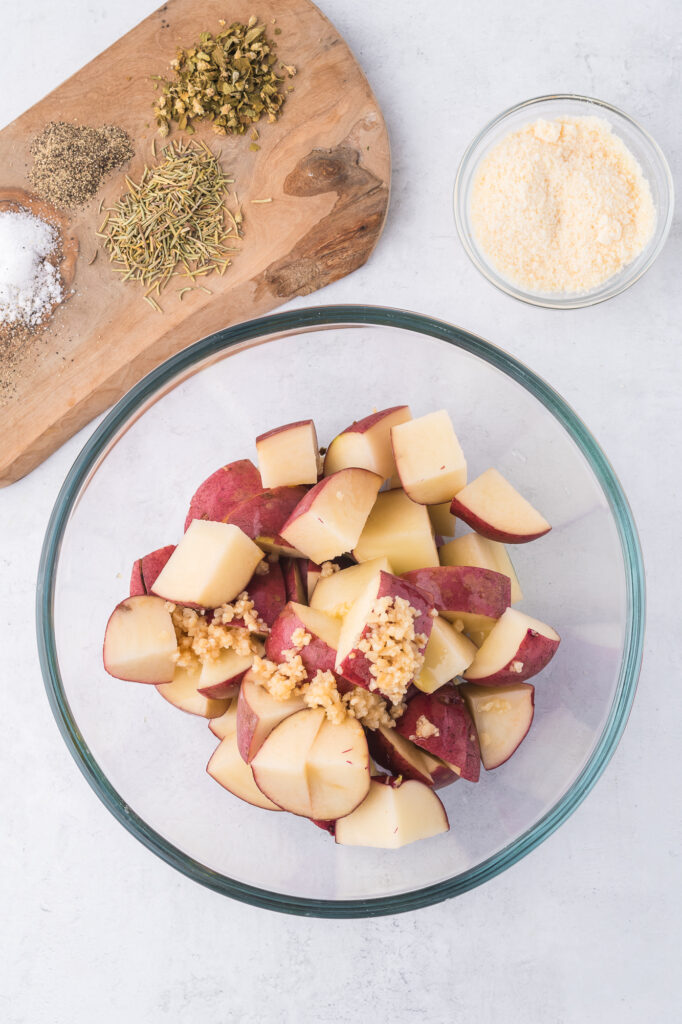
{"type": "Point", "coordinates": [229, 79]}
{"type": "Point", "coordinates": [30, 284]}
{"type": "Point", "coordinates": [174, 221]}
{"type": "Point", "coordinates": [71, 161]}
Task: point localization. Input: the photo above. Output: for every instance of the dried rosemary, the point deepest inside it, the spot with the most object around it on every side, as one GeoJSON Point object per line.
{"type": "Point", "coordinates": [174, 221]}
{"type": "Point", "coordinates": [229, 79]}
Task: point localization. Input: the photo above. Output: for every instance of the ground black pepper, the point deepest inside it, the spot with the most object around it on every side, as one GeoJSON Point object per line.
{"type": "Point", "coordinates": [71, 161]}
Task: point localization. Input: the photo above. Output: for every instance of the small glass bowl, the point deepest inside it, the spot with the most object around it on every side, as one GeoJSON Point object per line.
{"type": "Point", "coordinates": [645, 150]}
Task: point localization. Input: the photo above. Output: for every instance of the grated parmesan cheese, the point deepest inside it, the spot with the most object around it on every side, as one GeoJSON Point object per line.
{"type": "Point", "coordinates": [561, 206]}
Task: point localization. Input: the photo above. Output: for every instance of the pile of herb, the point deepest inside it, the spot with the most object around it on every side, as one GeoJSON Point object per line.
{"type": "Point", "coordinates": [70, 161]}
{"type": "Point", "coordinates": [229, 78]}
{"type": "Point", "coordinates": [174, 221]}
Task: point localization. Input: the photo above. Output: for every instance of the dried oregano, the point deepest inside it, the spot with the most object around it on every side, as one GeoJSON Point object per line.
{"type": "Point", "coordinates": [230, 78]}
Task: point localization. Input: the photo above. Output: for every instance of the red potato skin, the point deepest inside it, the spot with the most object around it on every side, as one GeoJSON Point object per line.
{"type": "Point", "coordinates": [388, 757]}
{"type": "Point", "coordinates": [457, 742]}
{"type": "Point", "coordinates": [535, 652]}
{"type": "Point", "coordinates": [363, 425]}
{"type": "Point", "coordinates": [316, 656]}
{"type": "Point", "coordinates": [293, 582]}
{"type": "Point", "coordinates": [356, 670]}
{"type": "Point", "coordinates": [215, 498]}
{"type": "Point", "coordinates": [484, 529]}
{"type": "Point", "coordinates": [268, 593]}
{"type": "Point", "coordinates": [279, 430]}
{"type": "Point", "coordinates": [147, 569]}
{"type": "Point", "coordinates": [265, 514]}
{"type": "Point", "coordinates": [136, 581]}
{"type": "Point", "coordinates": [247, 720]}
{"type": "Point", "coordinates": [225, 690]}
{"type": "Point", "coordinates": [326, 826]}
{"type": "Point", "coordinates": [306, 502]}
{"type": "Point", "coordinates": [464, 588]}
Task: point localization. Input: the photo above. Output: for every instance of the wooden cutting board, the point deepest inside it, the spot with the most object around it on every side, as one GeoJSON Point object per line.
{"type": "Point", "coordinates": [325, 163]}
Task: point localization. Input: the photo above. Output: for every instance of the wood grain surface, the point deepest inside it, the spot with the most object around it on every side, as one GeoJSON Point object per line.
{"type": "Point", "coordinates": [325, 163]}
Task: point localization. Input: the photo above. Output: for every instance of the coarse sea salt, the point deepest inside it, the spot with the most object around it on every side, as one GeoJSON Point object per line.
{"type": "Point", "coordinates": [29, 284]}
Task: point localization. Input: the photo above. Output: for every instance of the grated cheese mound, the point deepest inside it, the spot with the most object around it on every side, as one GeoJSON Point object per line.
{"type": "Point", "coordinates": [201, 641]}
{"type": "Point", "coordinates": [561, 206]}
{"type": "Point", "coordinates": [392, 646]}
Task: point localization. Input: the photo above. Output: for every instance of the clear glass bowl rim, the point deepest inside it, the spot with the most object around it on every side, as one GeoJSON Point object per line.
{"type": "Point", "coordinates": [579, 301]}
{"type": "Point", "coordinates": [190, 360]}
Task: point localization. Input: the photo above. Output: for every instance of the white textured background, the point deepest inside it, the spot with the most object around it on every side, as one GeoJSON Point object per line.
{"type": "Point", "coordinates": [96, 929]}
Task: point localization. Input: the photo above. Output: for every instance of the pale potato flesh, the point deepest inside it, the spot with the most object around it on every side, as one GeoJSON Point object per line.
{"type": "Point", "coordinates": [258, 714]}
{"type": "Point", "coordinates": [503, 642]}
{"type": "Point", "coordinates": [448, 653]}
{"type": "Point", "coordinates": [139, 642]}
{"type": "Point", "coordinates": [227, 767]}
{"type": "Point", "coordinates": [336, 594]}
{"type": "Point", "coordinates": [228, 665]}
{"type": "Point", "coordinates": [355, 621]}
{"type": "Point", "coordinates": [494, 501]}
{"type": "Point", "coordinates": [280, 767]}
{"type": "Point", "coordinates": [399, 529]}
{"type": "Point", "coordinates": [391, 817]}
{"type": "Point", "coordinates": [210, 566]}
{"type": "Point", "coordinates": [183, 693]}
{"type": "Point", "coordinates": [472, 549]}
{"type": "Point", "coordinates": [289, 456]}
{"type": "Point", "coordinates": [502, 716]}
{"type": "Point", "coordinates": [370, 447]}
{"type": "Point", "coordinates": [429, 458]}
{"type": "Point", "coordinates": [333, 523]}
{"type": "Point", "coordinates": [319, 623]}
{"type": "Point", "coordinates": [442, 519]}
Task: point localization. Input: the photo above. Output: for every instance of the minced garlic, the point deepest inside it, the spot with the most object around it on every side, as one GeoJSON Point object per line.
{"type": "Point", "coordinates": [321, 692]}
{"type": "Point", "coordinates": [496, 705]}
{"type": "Point", "coordinates": [426, 729]}
{"type": "Point", "coordinates": [561, 206]}
{"type": "Point", "coordinates": [201, 641]}
{"type": "Point", "coordinates": [300, 639]}
{"type": "Point", "coordinates": [283, 680]}
{"type": "Point", "coordinates": [393, 647]}
{"type": "Point", "coordinates": [328, 569]}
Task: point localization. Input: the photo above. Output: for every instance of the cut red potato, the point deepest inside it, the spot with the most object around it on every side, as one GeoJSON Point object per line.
{"type": "Point", "coordinates": [429, 459]}
{"type": "Point", "coordinates": [441, 724]}
{"type": "Point", "coordinates": [140, 642]}
{"type": "Point", "coordinates": [351, 662]}
{"type": "Point", "coordinates": [393, 815]}
{"type": "Point", "coordinates": [401, 757]}
{"type": "Point", "coordinates": [517, 648]}
{"type": "Point", "coordinates": [367, 444]}
{"type": "Point", "coordinates": [335, 594]}
{"type": "Point", "coordinates": [502, 716]}
{"type": "Point", "coordinates": [294, 573]}
{"type": "Point", "coordinates": [289, 455]}
{"type": "Point", "coordinates": [262, 516]}
{"type": "Point", "coordinates": [268, 592]}
{"type": "Point", "coordinates": [273, 544]}
{"type": "Point", "coordinates": [400, 530]}
{"type": "Point", "coordinates": [146, 570]}
{"type": "Point", "coordinates": [227, 767]}
{"type": "Point", "coordinates": [448, 653]}
{"type": "Point", "coordinates": [258, 714]}
{"type": "Point", "coordinates": [183, 693]}
{"type": "Point", "coordinates": [442, 519]}
{"type": "Point", "coordinates": [313, 768]}
{"type": "Point", "coordinates": [323, 629]}
{"type": "Point", "coordinates": [220, 677]}
{"type": "Point", "coordinates": [228, 486]}
{"type": "Point", "coordinates": [313, 574]}
{"type": "Point", "coordinates": [222, 726]}
{"type": "Point", "coordinates": [329, 520]}
{"type": "Point", "coordinates": [211, 565]}
{"type": "Point", "coordinates": [494, 509]}
{"type": "Point", "coordinates": [471, 549]}
{"type": "Point", "coordinates": [465, 595]}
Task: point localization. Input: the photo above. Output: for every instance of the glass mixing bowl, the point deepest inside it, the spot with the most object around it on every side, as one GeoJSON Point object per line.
{"type": "Point", "coordinates": [127, 493]}
{"type": "Point", "coordinates": [646, 151]}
